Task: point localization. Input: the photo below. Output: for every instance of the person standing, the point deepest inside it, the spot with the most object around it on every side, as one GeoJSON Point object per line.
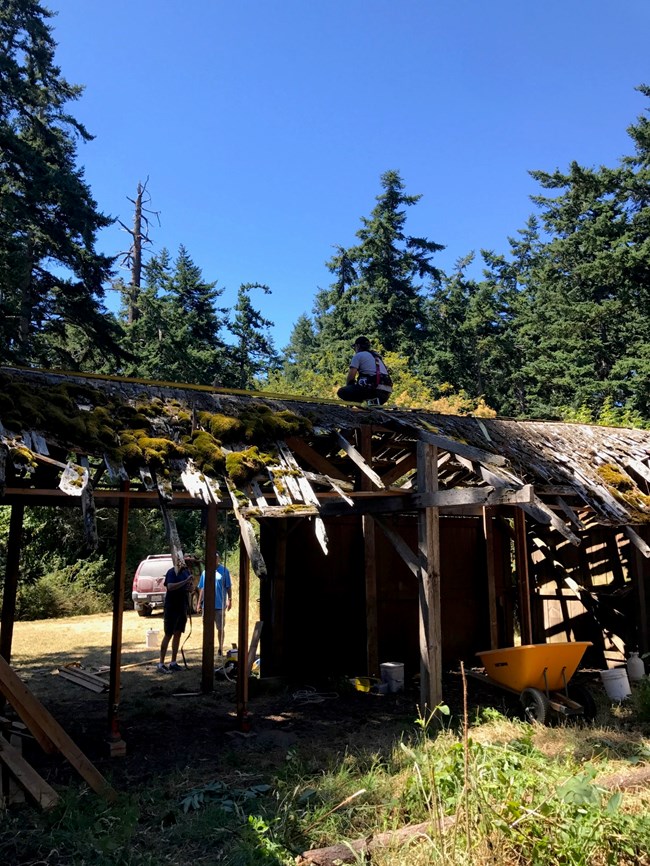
{"type": "Point", "coordinates": [179, 584]}
{"type": "Point", "coordinates": [367, 379]}
{"type": "Point", "coordinates": [222, 599]}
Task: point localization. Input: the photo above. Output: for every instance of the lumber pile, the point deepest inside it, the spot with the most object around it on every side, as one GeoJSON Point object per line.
{"type": "Point", "coordinates": [49, 735]}
{"type": "Point", "coordinates": [81, 677]}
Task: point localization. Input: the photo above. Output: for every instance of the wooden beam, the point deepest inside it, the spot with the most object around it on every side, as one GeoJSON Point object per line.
{"type": "Point", "coordinates": [401, 547]}
{"type": "Point", "coordinates": [357, 458]}
{"type": "Point", "coordinates": [468, 451]}
{"type": "Point", "coordinates": [640, 544]}
{"type": "Point", "coordinates": [243, 723]}
{"type": "Point", "coordinates": [38, 719]}
{"type": "Point", "coordinates": [252, 650]}
{"type": "Point", "coordinates": [12, 571]}
{"type": "Point", "coordinates": [429, 607]}
{"type": "Point", "coordinates": [209, 591]}
{"type": "Point", "coordinates": [488, 532]}
{"type": "Point", "coordinates": [487, 496]}
{"type": "Point", "coordinates": [315, 460]}
{"type": "Point", "coordinates": [408, 462]}
{"type": "Point", "coordinates": [119, 580]}
{"type": "Point", "coordinates": [27, 777]}
{"type": "Point", "coordinates": [247, 534]}
{"type": "Point", "coordinates": [370, 566]}
{"type": "Point", "coordinates": [521, 560]}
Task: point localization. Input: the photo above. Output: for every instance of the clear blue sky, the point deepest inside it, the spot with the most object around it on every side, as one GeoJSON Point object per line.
{"type": "Point", "coordinates": [264, 126]}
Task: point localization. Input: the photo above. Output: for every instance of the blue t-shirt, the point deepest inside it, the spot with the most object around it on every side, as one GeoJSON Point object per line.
{"type": "Point", "coordinates": [222, 581]}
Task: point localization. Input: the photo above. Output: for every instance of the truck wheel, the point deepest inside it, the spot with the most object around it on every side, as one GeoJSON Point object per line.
{"type": "Point", "coordinates": [144, 611]}
{"type": "Point", "coordinates": [536, 705]}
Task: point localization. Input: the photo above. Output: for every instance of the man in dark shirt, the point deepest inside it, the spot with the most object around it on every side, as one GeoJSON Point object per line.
{"type": "Point", "coordinates": [178, 584]}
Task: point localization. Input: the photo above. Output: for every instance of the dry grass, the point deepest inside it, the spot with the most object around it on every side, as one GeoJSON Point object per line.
{"type": "Point", "coordinates": [87, 639]}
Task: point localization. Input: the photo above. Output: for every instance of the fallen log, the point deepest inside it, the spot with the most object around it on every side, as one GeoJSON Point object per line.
{"type": "Point", "coordinates": [638, 778]}
{"type": "Point", "coordinates": [347, 853]}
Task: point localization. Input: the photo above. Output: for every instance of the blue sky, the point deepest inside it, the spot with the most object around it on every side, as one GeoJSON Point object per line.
{"type": "Point", "coordinates": [264, 126]}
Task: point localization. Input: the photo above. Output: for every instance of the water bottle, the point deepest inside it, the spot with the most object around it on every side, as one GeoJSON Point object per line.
{"type": "Point", "coordinates": [635, 668]}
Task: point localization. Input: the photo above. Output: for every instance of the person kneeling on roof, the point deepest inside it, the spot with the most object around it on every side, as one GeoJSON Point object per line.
{"type": "Point", "coordinates": [367, 379]}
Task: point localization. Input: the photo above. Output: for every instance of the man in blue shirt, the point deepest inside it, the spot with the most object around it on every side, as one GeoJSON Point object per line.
{"type": "Point", "coordinates": [222, 599]}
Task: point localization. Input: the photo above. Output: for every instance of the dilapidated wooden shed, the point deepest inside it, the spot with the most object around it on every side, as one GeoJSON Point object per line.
{"type": "Point", "coordinates": [377, 533]}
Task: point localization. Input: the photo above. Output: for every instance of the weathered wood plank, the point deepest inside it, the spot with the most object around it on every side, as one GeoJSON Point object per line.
{"type": "Point", "coordinates": [356, 458]}
{"type": "Point", "coordinates": [27, 777]}
{"type": "Point", "coordinates": [430, 625]}
{"type": "Point", "coordinates": [248, 536]}
{"type": "Point", "coordinates": [475, 496]}
{"type": "Point", "coordinates": [316, 460]}
{"type": "Point", "coordinates": [37, 716]}
{"type": "Point", "coordinates": [637, 541]}
{"type": "Point", "coordinates": [401, 547]}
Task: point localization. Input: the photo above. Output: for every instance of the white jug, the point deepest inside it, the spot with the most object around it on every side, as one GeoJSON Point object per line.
{"type": "Point", "coordinates": [635, 668]}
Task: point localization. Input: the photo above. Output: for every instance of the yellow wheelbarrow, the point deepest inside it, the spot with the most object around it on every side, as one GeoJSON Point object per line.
{"type": "Point", "coordinates": [540, 674]}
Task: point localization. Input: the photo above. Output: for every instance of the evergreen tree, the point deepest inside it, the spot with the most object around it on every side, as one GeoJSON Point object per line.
{"type": "Point", "coordinates": [379, 285]}
{"type": "Point", "coordinates": [253, 355]}
{"type": "Point", "coordinates": [51, 276]}
{"type": "Point", "coordinates": [176, 335]}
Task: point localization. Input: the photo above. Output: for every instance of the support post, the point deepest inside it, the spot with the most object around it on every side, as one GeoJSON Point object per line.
{"type": "Point", "coordinates": [370, 565]}
{"type": "Point", "coordinates": [640, 568]}
{"type": "Point", "coordinates": [209, 591]}
{"type": "Point", "coordinates": [116, 745]}
{"type": "Point", "coordinates": [488, 531]}
{"type": "Point", "coordinates": [429, 607]}
{"type": "Point", "coordinates": [12, 570]}
{"type": "Point", "coordinates": [242, 639]}
{"type": "Point", "coordinates": [273, 638]}
{"type": "Point", "coordinates": [521, 563]}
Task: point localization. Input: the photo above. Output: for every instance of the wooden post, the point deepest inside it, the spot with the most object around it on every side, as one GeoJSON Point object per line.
{"type": "Point", "coordinates": [488, 531]}
{"type": "Point", "coordinates": [429, 608]}
{"type": "Point", "coordinates": [273, 661]}
{"type": "Point", "coordinates": [12, 570]}
{"type": "Point", "coordinates": [242, 639]}
{"type": "Point", "coordinates": [209, 591]}
{"type": "Point", "coordinates": [521, 563]}
{"type": "Point", "coordinates": [116, 744]}
{"type": "Point", "coordinates": [370, 565]}
{"type": "Point", "coordinates": [640, 568]}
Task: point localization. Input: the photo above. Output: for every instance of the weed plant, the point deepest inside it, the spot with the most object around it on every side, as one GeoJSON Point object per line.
{"type": "Point", "coordinates": [493, 791]}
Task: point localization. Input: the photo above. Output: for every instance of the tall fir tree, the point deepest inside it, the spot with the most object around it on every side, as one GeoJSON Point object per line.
{"type": "Point", "coordinates": [51, 276]}
{"type": "Point", "coordinates": [177, 334]}
{"type": "Point", "coordinates": [253, 355]}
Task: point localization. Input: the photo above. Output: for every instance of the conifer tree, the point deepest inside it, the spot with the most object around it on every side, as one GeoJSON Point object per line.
{"type": "Point", "coordinates": [51, 276]}
{"type": "Point", "coordinates": [380, 282]}
{"type": "Point", "coordinates": [253, 354]}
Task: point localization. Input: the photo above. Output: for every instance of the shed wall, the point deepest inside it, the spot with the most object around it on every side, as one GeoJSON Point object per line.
{"type": "Point", "coordinates": [324, 612]}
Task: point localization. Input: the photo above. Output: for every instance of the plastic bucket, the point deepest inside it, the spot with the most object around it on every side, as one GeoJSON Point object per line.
{"type": "Point", "coordinates": [392, 673]}
{"type": "Point", "coordinates": [617, 684]}
{"type": "Point", "coordinates": [153, 639]}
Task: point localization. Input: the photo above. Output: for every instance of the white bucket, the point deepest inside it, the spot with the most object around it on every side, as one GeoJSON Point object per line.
{"type": "Point", "coordinates": [153, 639]}
{"type": "Point", "coordinates": [617, 684]}
{"type": "Point", "coordinates": [392, 673]}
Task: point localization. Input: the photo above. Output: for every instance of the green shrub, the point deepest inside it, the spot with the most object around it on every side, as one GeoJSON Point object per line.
{"type": "Point", "coordinates": [71, 590]}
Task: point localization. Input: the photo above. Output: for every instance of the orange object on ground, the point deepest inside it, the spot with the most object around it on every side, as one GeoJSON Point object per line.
{"type": "Point", "coordinates": [522, 667]}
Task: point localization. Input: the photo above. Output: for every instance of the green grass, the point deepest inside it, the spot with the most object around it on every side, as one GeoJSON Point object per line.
{"type": "Point", "coordinates": [516, 794]}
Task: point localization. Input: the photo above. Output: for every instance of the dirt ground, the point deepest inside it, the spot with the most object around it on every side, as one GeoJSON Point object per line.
{"type": "Point", "coordinates": [168, 731]}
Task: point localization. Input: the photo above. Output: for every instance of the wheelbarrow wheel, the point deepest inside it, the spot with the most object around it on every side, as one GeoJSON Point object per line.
{"type": "Point", "coordinates": [581, 695]}
{"type": "Point", "coordinates": [536, 705]}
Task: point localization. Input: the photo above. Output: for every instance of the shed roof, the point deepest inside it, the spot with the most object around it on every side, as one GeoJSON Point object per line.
{"type": "Point", "coordinates": [267, 455]}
